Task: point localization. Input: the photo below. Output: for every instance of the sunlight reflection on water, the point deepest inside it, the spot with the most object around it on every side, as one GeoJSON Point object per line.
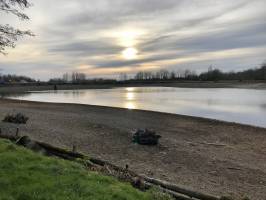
{"type": "Point", "coordinates": [236, 105]}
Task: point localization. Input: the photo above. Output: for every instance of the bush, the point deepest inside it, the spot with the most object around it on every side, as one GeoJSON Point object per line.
{"type": "Point", "coordinates": [18, 118]}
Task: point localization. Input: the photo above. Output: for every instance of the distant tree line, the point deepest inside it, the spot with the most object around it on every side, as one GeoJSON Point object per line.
{"type": "Point", "coordinates": [74, 77]}
{"type": "Point", "coordinates": [212, 74]}
{"type": "Point", "coordinates": [79, 78]}
{"type": "Point", "coordinates": [166, 75]}
{"type": "Point", "coordinates": [10, 78]}
{"type": "Point", "coordinates": [250, 74]}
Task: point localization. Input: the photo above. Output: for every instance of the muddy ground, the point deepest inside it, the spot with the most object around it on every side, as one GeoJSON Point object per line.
{"type": "Point", "coordinates": [206, 155]}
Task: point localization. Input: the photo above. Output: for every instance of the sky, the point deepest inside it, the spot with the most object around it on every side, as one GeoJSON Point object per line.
{"type": "Point", "coordinates": [104, 38]}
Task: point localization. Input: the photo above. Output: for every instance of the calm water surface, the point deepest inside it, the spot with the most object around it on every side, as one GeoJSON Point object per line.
{"type": "Point", "coordinates": [234, 105]}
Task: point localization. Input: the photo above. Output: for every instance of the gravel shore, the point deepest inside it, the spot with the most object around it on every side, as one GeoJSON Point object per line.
{"type": "Point", "coordinates": [206, 155]}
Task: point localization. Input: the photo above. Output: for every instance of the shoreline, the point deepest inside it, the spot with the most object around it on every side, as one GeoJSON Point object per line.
{"type": "Point", "coordinates": [212, 156]}
{"type": "Point", "coordinates": [258, 85]}
{"type": "Point", "coordinates": [189, 117]}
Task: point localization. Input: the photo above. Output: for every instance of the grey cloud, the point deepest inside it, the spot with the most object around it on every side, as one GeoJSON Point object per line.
{"type": "Point", "coordinates": [237, 63]}
{"type": "Point", "coordinates": [86, 48]}
{"type": "Point", "coordinates": [119, 63]}
{"type": "Point", "coordinates": [249, 36]}
{"type": "Point", "coordinates": [37, 70]}
{"type": "Point", "coordinates": [119, 11]}
{"type": "Point", "coordinates": [149, 59]}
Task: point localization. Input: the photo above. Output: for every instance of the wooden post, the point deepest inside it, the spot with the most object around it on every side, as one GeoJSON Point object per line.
{"type": "Point", "coordinates": [74, 148]}
{"type": "Point", "coordinates": [17, 132]}
{"type": "Point", "coordinates": [0, 131]}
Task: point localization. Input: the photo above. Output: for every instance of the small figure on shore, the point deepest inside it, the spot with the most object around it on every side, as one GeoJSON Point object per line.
{"type": "Point", "coordinates": [55, 87]}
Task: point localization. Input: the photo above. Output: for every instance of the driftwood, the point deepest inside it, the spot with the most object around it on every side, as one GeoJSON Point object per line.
{"type": "Point", "coordinates": [141, 182]}
{"type": "Point", "coordinates": [175, 194]}
{"type": "Point", "coordinates": [233, 168]}
{"type": "Point", "coordinates": [145, 137]}
{"type": "Point", "coordinates": [180, 190]}
{"type": "Point", "coordinates": [213, 144]}
{"type": "Point", "coordinates": [30, 144]}
{"type": "Point", "coordinates": [8, 137]}
{"type": "Point", "coordinates": [55, 151]}
{"type": "Point", "coordinates": [207, 143]}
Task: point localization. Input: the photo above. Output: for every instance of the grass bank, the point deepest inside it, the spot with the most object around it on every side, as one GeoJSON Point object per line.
{"type": "Point", "coordinates": [25, 175]}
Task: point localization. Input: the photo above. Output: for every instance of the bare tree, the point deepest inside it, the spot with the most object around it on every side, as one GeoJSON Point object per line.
{"type": "Point", "coordinates": [147, 75]}
{"type": "Point", "coordinates": [139, 76]}
{"type": "Point", "coordinates": [78, 77]}
{"type": "Point", "coordinates": [66, 77]}
{"type": "Point", "coordinates": [8, 34]}
{"type": "Point", "coordinates": [164, 74]}
{"type": "Point", "coordinates": [172, 75]}
{"type": "Point", "coordinates": [123, 77]}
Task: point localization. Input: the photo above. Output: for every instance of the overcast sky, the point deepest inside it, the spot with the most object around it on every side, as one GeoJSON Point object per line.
{"type": "Point", "coordinates": [105, 38]}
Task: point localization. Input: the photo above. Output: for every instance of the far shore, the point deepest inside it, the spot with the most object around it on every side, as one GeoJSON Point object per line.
{"type": "Point", "coordinates": [207, 155]}
{"type": "Point", "coordinates": [21, 88]}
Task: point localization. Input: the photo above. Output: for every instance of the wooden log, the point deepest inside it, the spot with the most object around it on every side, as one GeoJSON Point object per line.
{"type": "Point", "coordinates": [175, 195]}
{"type": "Point", "coordinates": [180, 190]}
{"type": "Point", "coordinates": [98, 161]}
{"type": "Point", "coordinates": [30, 144]}
{"type": "Point", "coordinates": [9, 137]}
{"type": "Point", "coordinates": [61, 152]}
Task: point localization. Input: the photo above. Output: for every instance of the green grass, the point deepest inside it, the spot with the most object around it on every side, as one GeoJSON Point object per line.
{"type": "Point", "coordinates": [25, 175]}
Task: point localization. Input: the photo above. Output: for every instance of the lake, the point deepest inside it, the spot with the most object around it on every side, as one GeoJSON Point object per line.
{"type": "Point", "coordinates": [246, 106]}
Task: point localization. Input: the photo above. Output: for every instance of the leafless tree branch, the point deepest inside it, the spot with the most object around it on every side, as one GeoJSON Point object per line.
{"type": "Point", "coordinates": [8, 34]}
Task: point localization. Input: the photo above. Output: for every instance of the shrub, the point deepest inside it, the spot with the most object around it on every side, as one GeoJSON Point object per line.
{"type": "Point", "coordinates": [18, 118]}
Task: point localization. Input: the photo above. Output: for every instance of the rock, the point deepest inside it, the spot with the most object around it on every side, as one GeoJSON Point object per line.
{"type": "Point", "coordinates": [138, 182]}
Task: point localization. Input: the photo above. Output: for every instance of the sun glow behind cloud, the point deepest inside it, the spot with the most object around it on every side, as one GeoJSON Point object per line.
{"type": "Point", "coordinates": [128, 37]}
{"type": "Point", "coordinates": [130, 53]}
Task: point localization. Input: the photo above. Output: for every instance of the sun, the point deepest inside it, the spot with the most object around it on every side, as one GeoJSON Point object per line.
{"type": "Point", "coordinates": [130, 53]}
